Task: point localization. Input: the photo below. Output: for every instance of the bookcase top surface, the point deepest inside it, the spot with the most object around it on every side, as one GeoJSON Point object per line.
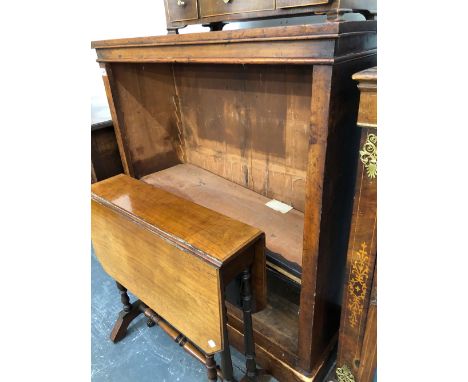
{"type": "Point", "coordinates": [322, 43]}
{"type": "Point", "coordinates": [317, 30]}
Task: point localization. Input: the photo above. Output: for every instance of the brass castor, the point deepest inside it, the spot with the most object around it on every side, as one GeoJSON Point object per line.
{"type": "Point", "coordinates": [150, 323]}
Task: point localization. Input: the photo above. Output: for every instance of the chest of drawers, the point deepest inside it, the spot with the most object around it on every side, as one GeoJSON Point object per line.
{"type": "Point", "coordinates": [180, 13]}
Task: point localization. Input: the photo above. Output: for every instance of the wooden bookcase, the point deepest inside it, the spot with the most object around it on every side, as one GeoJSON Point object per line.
{"type": "Point", "coordinates": [232, 119]}
{"type": "Point", "coordinates": [105, 157]}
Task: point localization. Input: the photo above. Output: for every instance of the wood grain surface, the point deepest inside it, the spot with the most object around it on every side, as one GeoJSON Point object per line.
{"type": "Point", "coordinates": [248, 124]}
{"type": "Point", "coordinates": [283, 231]}
{"type": "Point", "coordinates": [330, 203]}
{"type": "Point", "coordinates": [149, 117]}
{"type": "Point", "coordinates": [368, 103]}
{"type": "Point", "coordinates": [299, 3]}
{"type": "Point", "coordinates": [311, 32]}
{"type": "Point", "coordinates": [119, 132]}
{"type": "Point", "coordinates": [181, 11]}
{"type": "Point", "coordinates": [187, 296]}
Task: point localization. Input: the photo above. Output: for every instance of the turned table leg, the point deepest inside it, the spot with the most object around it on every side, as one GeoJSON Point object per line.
{"type": "Point", "coordinates": [226, 360]}
{"type": "Point", "coordinates": [124, 297]}
{"type": "Point", "coordinates": [252, 373]}
{"type": "Point", "coordinates": [126, 316]}
{"type": "Point", "coordinates": [246, 294]}
{"type": "Point", "coordinates": [211, 368]}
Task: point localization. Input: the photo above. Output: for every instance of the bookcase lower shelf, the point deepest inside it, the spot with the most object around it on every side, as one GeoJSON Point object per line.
{"type": "Point", "coordinates": [283, 231]}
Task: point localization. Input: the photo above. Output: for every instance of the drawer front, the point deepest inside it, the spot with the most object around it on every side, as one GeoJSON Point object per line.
{"type": "Point", "coordinates": [224, 7]}
{"type": "Point", "coordinates": [299, 3]}
{"type": "Point", "coordinates": [179, 10]}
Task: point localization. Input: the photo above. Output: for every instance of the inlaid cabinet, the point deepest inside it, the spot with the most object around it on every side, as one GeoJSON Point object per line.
{"type": "Point", "coordinates": [105, 157]}
{"type": "Point", "coordinates": [357, 351]}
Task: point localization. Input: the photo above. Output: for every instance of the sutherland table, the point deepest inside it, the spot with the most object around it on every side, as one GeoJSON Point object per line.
{"type": "Point", "coordinates": [177, 257]}
{"type": "Point", "coordinates": [233, 119]}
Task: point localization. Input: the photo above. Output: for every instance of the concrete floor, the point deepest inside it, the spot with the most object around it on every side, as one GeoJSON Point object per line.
{"type": "Point", "coordinates": [145, 354]}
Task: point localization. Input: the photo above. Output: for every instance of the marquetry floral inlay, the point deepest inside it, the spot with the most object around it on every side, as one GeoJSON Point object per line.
{"type": "Point", "coordinates": [357, 284]}
{"type": "Point", "coordinates": [369, 155]}
{"type": "Point", "coordinates": [344, 374]}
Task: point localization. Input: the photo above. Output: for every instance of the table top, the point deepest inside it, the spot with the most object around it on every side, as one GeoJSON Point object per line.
{"type": "Point", "coordinates": [208, 234]}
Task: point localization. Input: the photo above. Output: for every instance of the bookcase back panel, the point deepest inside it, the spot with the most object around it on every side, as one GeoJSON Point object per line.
{"type": "Point", "coordinates": [247, 123]}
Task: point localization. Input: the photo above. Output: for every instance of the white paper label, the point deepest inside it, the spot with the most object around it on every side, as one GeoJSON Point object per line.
{"type": "Point", "coordinates": [278, 206]}
{"type": "Point", "coordinates": [211, 343]}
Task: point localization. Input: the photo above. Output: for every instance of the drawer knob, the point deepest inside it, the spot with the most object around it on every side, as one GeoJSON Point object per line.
{"type": "Point", "coordinates": [181, 3]}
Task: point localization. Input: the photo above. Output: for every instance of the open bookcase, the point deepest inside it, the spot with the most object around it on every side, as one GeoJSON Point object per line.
{"type": "Point", "coordinates": [233, 119]}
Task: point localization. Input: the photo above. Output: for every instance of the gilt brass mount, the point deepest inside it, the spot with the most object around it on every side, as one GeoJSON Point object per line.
{"type": "Point", "coordinates": [344, 374]}
{"type": "Point", "coordinates": [368, 156]}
